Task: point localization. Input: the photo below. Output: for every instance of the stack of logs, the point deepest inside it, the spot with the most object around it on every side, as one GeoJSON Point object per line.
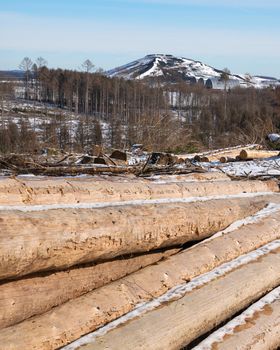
{"type": "Point", "coordinates": [246, 155]}
{"type": "Point", "coordinates": [77, 254]}
{"type": "Point", "coordinates": [235, 156]}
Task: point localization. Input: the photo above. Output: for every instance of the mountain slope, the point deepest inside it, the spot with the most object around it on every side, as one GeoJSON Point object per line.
{"type": "Point", "coordinates": [171, 69]}
{"type": "Point", "coordinates": [163, 65]}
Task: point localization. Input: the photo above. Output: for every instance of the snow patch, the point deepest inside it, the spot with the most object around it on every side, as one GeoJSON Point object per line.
{"type": "Point", "coordinates": [155, 71]}
{"type": "Point", "coordinates": [43, 207]}
{"type": "Point", "coordinates": [265, 167]}
{"type": "Point", "coordinates": [168, 65]}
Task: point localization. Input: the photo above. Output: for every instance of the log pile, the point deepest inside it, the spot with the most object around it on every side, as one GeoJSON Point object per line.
{"type": "Point", "coordinates": [198, 311]}
{"type": "Point", "coordinates": [247, 155]}
{"type": "Point", "coordinates": [77, 254]}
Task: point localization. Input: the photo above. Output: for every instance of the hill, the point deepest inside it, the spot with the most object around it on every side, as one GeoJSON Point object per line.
{"type": "Point", "coordinates": [172, 69]}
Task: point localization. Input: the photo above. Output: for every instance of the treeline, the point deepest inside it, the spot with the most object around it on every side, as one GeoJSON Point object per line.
{"type": "Point", "coordinates": [118, 113]}
{"type": "Point", "coordinates": [132, 111]}
{"type": "Point", "coordinates": [231, 117]}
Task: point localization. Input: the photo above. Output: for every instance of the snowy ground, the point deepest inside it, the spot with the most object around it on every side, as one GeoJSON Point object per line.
{"type": "Point", "coordinates": [39, 114]}
{"type": "Point", "coordinates": [265, 168]}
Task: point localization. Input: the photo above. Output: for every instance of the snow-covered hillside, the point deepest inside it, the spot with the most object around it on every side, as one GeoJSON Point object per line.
{"type": "Point", "coordinates": [168, 68]}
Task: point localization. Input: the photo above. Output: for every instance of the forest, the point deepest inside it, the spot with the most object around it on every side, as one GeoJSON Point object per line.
{"type": "Point", "coordinates": [118, 113]}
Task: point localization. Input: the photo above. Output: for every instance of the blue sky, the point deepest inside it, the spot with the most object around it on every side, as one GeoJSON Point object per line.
{"type": "Point", "coordinates": [241, 35]}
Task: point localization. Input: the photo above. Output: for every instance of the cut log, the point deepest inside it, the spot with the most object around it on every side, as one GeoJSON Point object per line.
{"type": "Point", "coordinates": [180, 322]}
{"type": "Point", "coordinates": [216, 154]}
{"type": "Point", "coordinates": [99, 160]}
{"type": "Point", "coordinates": [230, 152]}
{"type": "Point", "coordinates": [225, 159]}
{"type": "Point", "coordinates": [252, 154]}
{"type": "Point", "coordinates": [85, 314]}
{"type": "Point", "coordinates": [235, 151]}
{"type": "Point", "coordinates": [58, 239]}
{"type": "Point", "coordinates": [259, 334]}
{"type": "Point", "coordinates": [74, 170]}
{"type": "Point", "coordinates": [160, 158]}
{"type": "Point", "coordinates": [119, 155]}
{"type": "Point", "coordinates": [64, 191]}
{"type": "Point", "coordinates": [197, 158]}
{"type": "Point", "coordinates": [257, 328]}
{"type": "Point", "coordinates": [27, 297]}
{"type": "Point", "coordinates": [232, 155]}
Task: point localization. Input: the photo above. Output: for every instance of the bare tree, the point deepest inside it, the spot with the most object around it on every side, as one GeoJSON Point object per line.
{"type": "Point", "coordinates": [135, 112]}
{"type": "Point", "coordinates": [224, 77]}
{"type": "Point", "coordinates": [6, 92]}
{"type": "Point", "coordinates": [248, 78]}
{"type": "Point", "coordinates": [26, 65]}
{"type": "Point", "coordinates": [41, 62]}
{"type": "Point", "coordinates": [35, 72]}
{"type": "Point", "coordinates": [88, 67]}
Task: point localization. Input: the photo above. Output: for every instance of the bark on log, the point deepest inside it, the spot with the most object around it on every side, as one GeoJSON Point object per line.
{"type": "Point", "coordinates": [65, 191]}
{"type": "Point", "coordinates": [74, 170]}
{"type": "Point", "coordinates": [58, 239]}
{"type": "Point", "coordinates": [85, 314]}
{"type": "Point", "coordinates": [179, 323]}
{"type": "Point", "coordinates": [197, 158]}
{"type": "Point", "coordinates": [27, 297]}
{"type": "Point", "coordinates": [227, 159]}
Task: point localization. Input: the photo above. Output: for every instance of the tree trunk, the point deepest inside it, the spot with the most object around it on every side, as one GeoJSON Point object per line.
{"type": "Point", "coordinates": [63, 191]}
{"type": "Point", "coordinates": [251, 154]}
{"type": "Point", "coordinates": [178, 323]}
{"type": "Point", "coordinates": [80, 316]}
{"type": "Point", "coordinates": [258, 327]}
{"type": "Point", "coordinates": [58, 239]}
{"type": "Point", "coordinates": [38, 294]}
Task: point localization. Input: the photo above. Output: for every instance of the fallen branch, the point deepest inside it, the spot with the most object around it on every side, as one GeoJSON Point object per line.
{"type": "Point", "coordinates": [73, 170]}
